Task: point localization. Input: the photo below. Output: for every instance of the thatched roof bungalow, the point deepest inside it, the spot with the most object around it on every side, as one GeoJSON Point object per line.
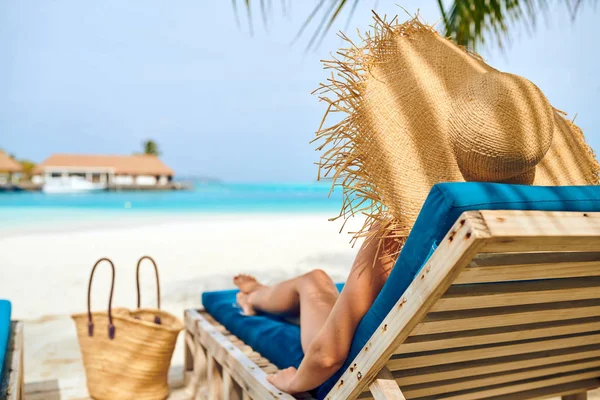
{"type": "Point", "coordinates": [113, 169]}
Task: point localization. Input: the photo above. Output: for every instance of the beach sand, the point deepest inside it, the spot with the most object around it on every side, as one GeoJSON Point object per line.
{"type": "Point", "coordinates": [45, 271]}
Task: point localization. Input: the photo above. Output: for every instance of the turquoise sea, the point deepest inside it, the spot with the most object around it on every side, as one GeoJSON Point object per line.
{"type": "Point", "coordinates": [18, 208]}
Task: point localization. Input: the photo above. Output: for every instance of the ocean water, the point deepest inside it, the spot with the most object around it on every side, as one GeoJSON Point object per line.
{"type": "Point", "coordinates": [35, 208]}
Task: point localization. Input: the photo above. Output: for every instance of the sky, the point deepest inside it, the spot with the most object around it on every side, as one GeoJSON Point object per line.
{"type": "Point", "coordinates": [101, 77]}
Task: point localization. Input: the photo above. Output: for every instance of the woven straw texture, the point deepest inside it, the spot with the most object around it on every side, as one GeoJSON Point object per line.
{"type": "Point", "coordinates": [420, 110]}
{"type": "Point", "coordinates": [134, 363]}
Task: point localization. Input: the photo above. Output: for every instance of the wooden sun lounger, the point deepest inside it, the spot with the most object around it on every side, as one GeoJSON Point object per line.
{"type": "Point", "coordinates": [533, 335]}
{"type": "Point", "coordinates": [11, 385]}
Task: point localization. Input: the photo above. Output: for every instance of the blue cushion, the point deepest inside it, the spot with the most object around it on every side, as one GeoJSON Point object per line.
{"type": "Point", "coordinates": [273, 337]}
{"type": "Point", "coordinates": [5, 310]}
{"type": "Point", "coordinates": [442, 208]}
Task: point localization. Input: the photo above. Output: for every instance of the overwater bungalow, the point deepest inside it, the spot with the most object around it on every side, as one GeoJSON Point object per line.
{"type": "Point", "coordinates": [89, 172]}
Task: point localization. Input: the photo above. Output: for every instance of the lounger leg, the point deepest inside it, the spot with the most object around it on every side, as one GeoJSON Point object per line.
{"type": "Point", "coordinates": [196, 375]}
{"type": "Point", "coordinates": [238, 391]}
{"type": "Point", "coordinates": [385, 387]}
{"type": "Point", "coordinates": [231, 390]}
{"type": "Point", "coordinates": [188, 358]}
{"type": "Point", "coordinates": [200, 369]}
{"type": "Point", "coordinates": [215, 379]}
{"type": "Point", "coordinates": [576, 396]}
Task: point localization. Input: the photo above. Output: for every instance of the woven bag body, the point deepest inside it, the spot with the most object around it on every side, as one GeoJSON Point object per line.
{"type": "Point", "coordinates": [126, 354]}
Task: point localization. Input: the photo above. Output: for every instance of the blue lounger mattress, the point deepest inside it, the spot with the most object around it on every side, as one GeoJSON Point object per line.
{"type": "Point", "coordinates": [264, 331]}
{"type": "Point", "coordinates": [279, 340]}
{"type": "Point", "coordinates": [5, 310]}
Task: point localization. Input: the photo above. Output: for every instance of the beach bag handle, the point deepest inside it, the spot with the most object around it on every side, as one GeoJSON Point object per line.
{"type": "Point", "coordinates": [137, 278]}
{"type": "Point", "coordinates": [111, 327]}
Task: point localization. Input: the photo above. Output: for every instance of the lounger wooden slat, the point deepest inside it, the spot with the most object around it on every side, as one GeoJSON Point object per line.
{"type": "Point", "coordinates": [466, 297]}
{"type": "Point", "coordinates": [540, 231]}
{"type": "Point", "coordinates": [507, 307]}
{"type": "Point", "coordinates": [578, 396]}
{"type": "Point", "coordinates": [479, 353]}
{"type": "Point", "coordinates": [512, 333]}
{"type": "Point", "coordinates": [524, 258]}
{"type": "Point", "coordinates": [428, 389]}
{"type": "Point", "coordinates": [503, 273]}
{"type": "Point", "coordinates": [518, 315]}
{"type": "Point", "coordinates": [499, 390]}
{"type": "Point", "coordinates": [565, 390]}
{"type": "Point", "coordinates": [489, 366]}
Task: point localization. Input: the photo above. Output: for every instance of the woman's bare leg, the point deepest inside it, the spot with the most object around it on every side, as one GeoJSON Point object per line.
{"type": "Point", "coordinates": [280, 299]}
{"type": "Point", "coordinates": [329, 347]}
{"type": "Point", "coordinates": [318, 295]}
{"type": "Point", "coordinates": [311, 295]}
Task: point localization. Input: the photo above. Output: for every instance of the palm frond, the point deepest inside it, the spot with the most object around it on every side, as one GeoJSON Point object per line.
{"type": "Point", "coordinates": [329, 15]}
{"type": "Point", "coordinates": [249, 9]}
{"type": "Point", "coordinates": [263, 12]}
{"type": "Point", "coordinates": [323, 27]}
{"type": "Point", "coordinates": [469, 22]}
{"type": "Point", "coordinates": [235, 13]}
{"type": "Point", "coordinates": [352, 13]}
{"type": "Point", "coordinates": [309, 19]}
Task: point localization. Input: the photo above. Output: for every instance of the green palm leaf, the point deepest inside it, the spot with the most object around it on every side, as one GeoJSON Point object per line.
{"type": "Point", "coordinates": [468, 22]}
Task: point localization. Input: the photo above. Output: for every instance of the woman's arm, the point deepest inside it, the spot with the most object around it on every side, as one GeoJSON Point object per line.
{"type": "Point", "coordinates": [328, 351]}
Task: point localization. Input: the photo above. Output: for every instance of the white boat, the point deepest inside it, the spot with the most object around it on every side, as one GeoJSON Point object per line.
{"type": "Point", "coordinates": [71, 184]}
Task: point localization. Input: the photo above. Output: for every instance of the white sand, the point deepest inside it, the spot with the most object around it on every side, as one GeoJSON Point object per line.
{"type": "Point", "coordinates": [45, 273]}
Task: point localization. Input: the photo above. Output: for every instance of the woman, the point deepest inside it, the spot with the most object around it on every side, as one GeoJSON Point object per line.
{"type": "Point", "coordinates": [420, 110]}
{"type": "Point", "coordinates": [327, 319]}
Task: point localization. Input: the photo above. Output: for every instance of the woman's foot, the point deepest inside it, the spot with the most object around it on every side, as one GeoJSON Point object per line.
{"type": "Point", "coordinates": [242, 300]}
{"type": "Point", "coordinates": [246, 283]}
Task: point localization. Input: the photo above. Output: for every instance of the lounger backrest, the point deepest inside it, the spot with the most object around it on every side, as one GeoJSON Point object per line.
{"type": "Point", "coordinates": [444, 205]}
{"type": "Point", "coordinates": [508, 306]}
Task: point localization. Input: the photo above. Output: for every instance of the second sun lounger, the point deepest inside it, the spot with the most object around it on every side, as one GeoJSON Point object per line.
{"type": "Point", "coordinates": [505, 304]}
{"type": "Point", "coordinates": [11, 355]}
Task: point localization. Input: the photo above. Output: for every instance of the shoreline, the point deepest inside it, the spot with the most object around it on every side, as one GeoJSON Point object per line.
{"type": "Point", "coordinates": [57, 220]}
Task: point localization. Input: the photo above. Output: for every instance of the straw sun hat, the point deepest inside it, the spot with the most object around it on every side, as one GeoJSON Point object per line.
{"type": "Point", "coordinates": [420, 110]}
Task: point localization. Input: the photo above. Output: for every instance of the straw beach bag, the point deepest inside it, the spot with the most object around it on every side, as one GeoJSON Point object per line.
{"type": "Point", "coordinates": [125, 357]}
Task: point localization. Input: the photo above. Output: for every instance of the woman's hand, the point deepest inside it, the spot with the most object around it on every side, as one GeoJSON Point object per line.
{"type": "Point", "coordinates": [282, 380]}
